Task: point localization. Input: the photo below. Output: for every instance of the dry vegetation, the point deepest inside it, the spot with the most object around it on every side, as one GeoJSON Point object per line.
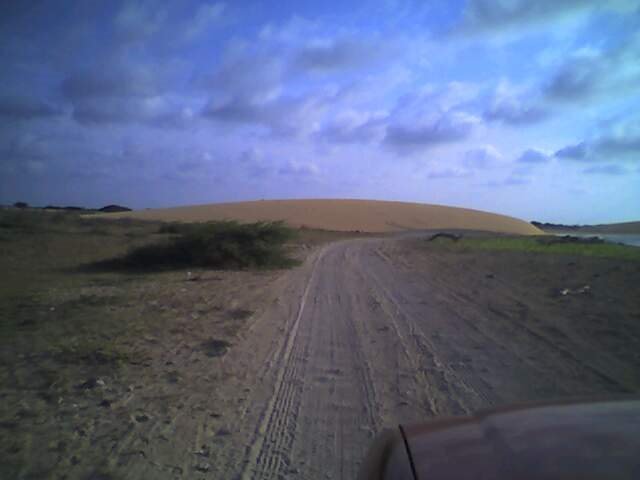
{"type": "Point", "coordinates": [72, 286]}
{"type": "Point", "coordinates": [567, 245]}
{"type": "Point", "coordinates": [81, 331]}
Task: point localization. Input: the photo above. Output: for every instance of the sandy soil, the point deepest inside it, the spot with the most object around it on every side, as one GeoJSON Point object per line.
{"type": "Point", "coordinates": [366, 334]}
{"type": "Point", "coordinates": [344, 215]}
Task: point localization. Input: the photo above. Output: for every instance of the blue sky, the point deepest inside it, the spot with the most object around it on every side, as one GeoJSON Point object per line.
{"type": "Point", "coordinates": [528, 108]}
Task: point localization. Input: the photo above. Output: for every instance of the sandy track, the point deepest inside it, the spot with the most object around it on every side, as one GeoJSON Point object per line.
{"type": "Point", "coordinates": [365, 335]}
{"type": "Point", "coordinates": [361, 339]}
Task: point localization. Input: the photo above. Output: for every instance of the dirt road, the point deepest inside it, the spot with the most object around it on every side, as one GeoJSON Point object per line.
{"type": "Point", "coordinates": [362, 339]}
{"type": "Point", "coordinates": [366, 334]}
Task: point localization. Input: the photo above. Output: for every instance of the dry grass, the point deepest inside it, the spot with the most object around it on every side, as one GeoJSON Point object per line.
{"type": "Point", "coordinates": [77, 341]}
{"type": "Point", "coordinates": [343, 216]}
{"type": "Point", "coordinates": [542, 245]}
{"type": "Point", "coordinates": [57, 303]}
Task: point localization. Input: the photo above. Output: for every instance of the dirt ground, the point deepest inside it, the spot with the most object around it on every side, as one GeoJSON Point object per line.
{"type": "Point", "coordinates": [290, 374]}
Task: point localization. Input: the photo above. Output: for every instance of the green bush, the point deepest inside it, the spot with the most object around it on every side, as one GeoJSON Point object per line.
{"type": "Point", "coordinates": [225, 244]}
{"type": "Point", "coordinates": [550, 245]}
{"type": "Point", "coordinates": [173, 227]}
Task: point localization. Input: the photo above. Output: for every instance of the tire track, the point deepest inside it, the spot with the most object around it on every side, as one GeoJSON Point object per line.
{"type": "Point", "coordinates": [267, 454]}
{"type": "Point", "coordinates": [535, 337]}
{"type": "Point", "coordinates": [441, 383]}
{"type": "Point", "coordinates": [340, 404]}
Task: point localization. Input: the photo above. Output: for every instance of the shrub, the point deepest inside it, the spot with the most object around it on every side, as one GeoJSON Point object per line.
{"type": "Point", "coordinates": [173, 227]}
{"type": "Point", "coordinates": [225, 244]}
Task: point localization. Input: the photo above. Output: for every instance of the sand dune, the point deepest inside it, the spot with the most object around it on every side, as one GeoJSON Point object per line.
{"type": "Point", "coordinates": [343, 215]}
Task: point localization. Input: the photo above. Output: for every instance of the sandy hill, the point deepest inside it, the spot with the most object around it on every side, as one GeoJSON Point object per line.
{"type": "Point", "coordinates": [343, 215]}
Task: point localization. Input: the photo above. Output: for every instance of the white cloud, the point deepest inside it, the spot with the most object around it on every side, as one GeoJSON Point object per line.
{"type": "Point", "coordinates": [353, 126]}
{"type": "Point", "coordinates": [483, 15]}
{"type": "Point", "coordinates": [578, 151]}
{"type": "Point", "coordinates": [206, 16]}
{"type": "Point", "coordinates": [514, 106]}
{"type": "Point", "coordinates": [590, 73]}
{"type": "Point", "coordinates": [534, 157]}
{"type": "Point", "coordinates": [450, 127]}
{"type": "Point", "coordinates": [619, 142]}
{"type": "Point", "coordinates": [483, 157]}
{"type": "Point", "coordinates": [247, 76]}
{"type": "Point", "coordinates": [612, 170]}
{"type": "Point", "coordinates": [139, 19]}
{"type": "Point", "coordinates": [299, 169]}
{"type": "Point", "coordinates": [338, 54]}
{"type": "Point", "coordinates": [447, 173]}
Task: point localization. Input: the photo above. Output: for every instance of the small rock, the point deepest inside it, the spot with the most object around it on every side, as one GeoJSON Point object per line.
{"type": "Point", "coordinates": [203, 467]}
{"type": "Point", "coordinates": [203, 452]}
{"type": "Point", "coordinates": [192, 278]}
{"type": "Point", "coordinates": [100, 382]}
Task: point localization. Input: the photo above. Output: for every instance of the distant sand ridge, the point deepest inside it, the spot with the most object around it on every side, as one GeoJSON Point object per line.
{"type": "Point", "coordinates": [343, 215]}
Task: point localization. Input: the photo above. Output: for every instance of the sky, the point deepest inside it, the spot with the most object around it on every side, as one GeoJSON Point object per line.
{"type": "Point", "coordinates": [529, 108]}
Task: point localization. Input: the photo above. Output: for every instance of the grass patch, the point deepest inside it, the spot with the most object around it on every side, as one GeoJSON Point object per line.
{"type": "Point", "coordinates": [37, 221]}
{"type": "Point", "coordinates": [88, 352]}
{"type": "Point", "coordinates": [542, 245]}
{"type": "Point", "coordinates": [56, 305]}
{"type": "Point", "coordinates": [42, 256]}
{"type": "Point", "coordinates": [29, 221]}
{"type": "Point", "coordinates": [222, 245]}
{"type": "Point", "coordinates": [174, 228]}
